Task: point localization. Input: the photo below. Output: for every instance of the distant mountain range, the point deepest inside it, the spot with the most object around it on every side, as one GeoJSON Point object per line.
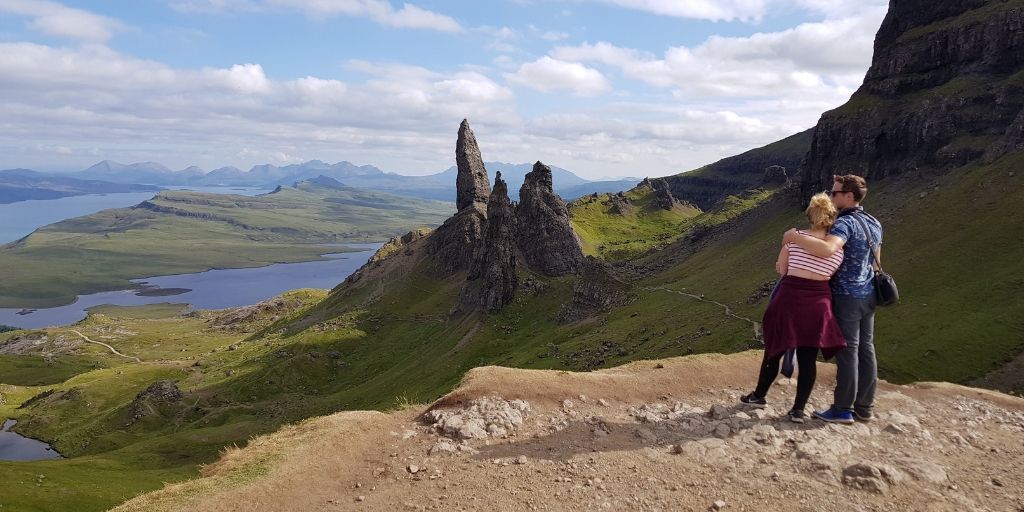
{"type": "Point", "coordinates": [438, 186]}
{"type": "Point", "coordinates": [23, 184]}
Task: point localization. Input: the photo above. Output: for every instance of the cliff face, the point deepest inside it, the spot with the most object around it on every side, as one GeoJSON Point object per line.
{"type": "Point", "coordinates": [706, 186]}
{"type": "Point", "coordinates": [945, 88]}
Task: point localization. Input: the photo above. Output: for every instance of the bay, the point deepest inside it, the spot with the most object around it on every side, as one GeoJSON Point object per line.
{"type": "Point", "coordinates": [21, 218]}
{"type": "Point", "coordinates": [213, 289]}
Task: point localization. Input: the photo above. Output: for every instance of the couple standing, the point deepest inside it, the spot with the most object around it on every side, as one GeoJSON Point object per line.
{"type": "Point", "coordinates": [825, 300]}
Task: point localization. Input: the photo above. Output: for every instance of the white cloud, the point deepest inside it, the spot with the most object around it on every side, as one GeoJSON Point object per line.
{"type": "Point", "coordinates": [548, 74]}
{"type": "Point", "coordinates": [380, 11]}
{"type": "Point", "coordinates": [54, 19]}
{"type": "Point", "coordinates": [760, 65]}
{"type": "Point", "coordinates": [714, 10]}
{"type": "Point", "coordinates": [96, 97]}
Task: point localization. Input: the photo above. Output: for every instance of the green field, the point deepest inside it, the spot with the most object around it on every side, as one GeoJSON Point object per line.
{"type": "Point", "coordinates": [181, 232]}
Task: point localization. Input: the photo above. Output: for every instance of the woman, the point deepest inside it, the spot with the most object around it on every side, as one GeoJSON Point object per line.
{"type": "Point", "coordinates": [799, 316]}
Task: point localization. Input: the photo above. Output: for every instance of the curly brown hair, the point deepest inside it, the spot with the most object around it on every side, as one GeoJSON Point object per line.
{"type": "Point", "coordinates": [853, 183]}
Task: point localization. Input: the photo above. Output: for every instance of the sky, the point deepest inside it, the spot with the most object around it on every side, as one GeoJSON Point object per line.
{"type": "Point", "coordinates": [604, 88]}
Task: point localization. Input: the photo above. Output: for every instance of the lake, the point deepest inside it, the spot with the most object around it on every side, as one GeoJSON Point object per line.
{"type": "Point", "coordinates": [14, 446]}
{"type": "Point", "coordinates": [213, 289]}
{"type": "Point", "coordinates": [21, 218]}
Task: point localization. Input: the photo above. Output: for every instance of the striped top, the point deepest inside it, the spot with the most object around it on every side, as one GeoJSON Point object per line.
{"type": "Point", "coordinates": [803, 260]}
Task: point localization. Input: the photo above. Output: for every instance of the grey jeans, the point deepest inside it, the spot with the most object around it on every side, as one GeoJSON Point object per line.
{"type": "Point", "coordinates": [856, 366]}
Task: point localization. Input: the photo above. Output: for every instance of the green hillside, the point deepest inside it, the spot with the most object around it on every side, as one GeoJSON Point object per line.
{"type": "Point", "coordinates": [181, 232]}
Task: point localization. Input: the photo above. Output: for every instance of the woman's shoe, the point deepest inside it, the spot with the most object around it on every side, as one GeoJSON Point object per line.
{"type": "Point", "coordinates": [754, 401]}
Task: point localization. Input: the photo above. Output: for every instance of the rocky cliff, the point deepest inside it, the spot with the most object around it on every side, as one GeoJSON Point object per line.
{"type": "Point", "coordinates": [706, 186]}
{"type": "Point", "coordinates": [945, 88]}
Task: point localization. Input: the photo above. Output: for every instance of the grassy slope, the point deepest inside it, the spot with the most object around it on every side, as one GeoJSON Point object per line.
{"type": "Point", "coordinates": [104, 250]}
{"type": "Point", "coordinates": [628, 234]}
{"type": "Point", "coordinates": [402, 348]}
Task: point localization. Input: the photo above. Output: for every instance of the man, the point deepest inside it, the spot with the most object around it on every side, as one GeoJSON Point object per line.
{"type": "Point", "coordinates": [853, 299]}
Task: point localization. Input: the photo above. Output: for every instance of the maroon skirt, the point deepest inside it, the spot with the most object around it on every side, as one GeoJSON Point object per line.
{"type": "Point", "coordinates": [800, 315]}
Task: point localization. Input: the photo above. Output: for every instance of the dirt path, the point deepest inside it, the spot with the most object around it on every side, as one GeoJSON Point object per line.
{"type": "Point", "coordinates": [728, 310]}
{"type": "Point", "coordinates": [112, 349]}
{"type": "Point", "coordinates": [648, 436]}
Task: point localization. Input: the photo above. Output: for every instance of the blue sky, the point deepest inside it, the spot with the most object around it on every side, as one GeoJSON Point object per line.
{"type": "Point", "coordinates": [602, 87]}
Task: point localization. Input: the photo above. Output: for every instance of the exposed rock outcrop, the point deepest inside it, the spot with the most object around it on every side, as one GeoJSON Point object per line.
{"type": "Point", "coordinates": [596, 291]}
{"type": "Point", "coordinates": [545, 236]}
{"type": "Point", "coordinates": [662, 193]}
{"type": "Point", "coordinates": [492, 281]}
{"type": "Point", "coordinates": [397, 244]}
{"type": "Point", "coordinates": [943, 90]}
{"type": "Point", "coordinates": [775, 175]}
{"type": "Point", "coordinates": [161, 392]}
{"type": "Point", "coordinates": [472, 184]}
{"type": "Point", "coordinates": [619, 204]}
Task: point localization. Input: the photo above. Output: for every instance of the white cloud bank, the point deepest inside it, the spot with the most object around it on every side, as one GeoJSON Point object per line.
{"type": "Point", "coordinates": [53, 19]}
{"type": "Point", "coordinates": [380, 11]}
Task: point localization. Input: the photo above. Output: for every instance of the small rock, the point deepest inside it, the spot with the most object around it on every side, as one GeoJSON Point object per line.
{"type": "Point", "coordinates": [360, 498]}
{"type": "Point", "coordinates": [232, 347]}
{"type": "Point", "coordinates": [659, 366]}
{"type": "Point", "coordinates": [521, 459]}
{"type": "Point", "coordinates": [718, 505]}
{"type": "Point", "coordinates": [922, 195]}
{"type": "Point", "coordinates": [413, 469]}
{"type": "Point", "coordinates": [567, 404]}
{"type": "Point", "coordinates": [997, 482]}
{"type": "Point", "coordinates": [602, 402]}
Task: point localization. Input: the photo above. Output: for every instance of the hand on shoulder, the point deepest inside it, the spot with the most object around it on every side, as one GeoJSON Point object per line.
{"type": "Point", "coordinates": [789, 236]}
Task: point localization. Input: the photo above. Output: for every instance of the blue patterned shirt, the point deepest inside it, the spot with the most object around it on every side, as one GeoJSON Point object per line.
{"type": "Point", "coordinates": [854, 277]}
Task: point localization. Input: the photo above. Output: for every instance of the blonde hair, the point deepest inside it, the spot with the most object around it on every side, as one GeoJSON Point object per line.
{"type": "Point", "coordinates": [821, 212]}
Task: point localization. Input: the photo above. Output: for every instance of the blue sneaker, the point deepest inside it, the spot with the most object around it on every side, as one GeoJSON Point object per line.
{"type": "Point", "coordinates": [833, 416]}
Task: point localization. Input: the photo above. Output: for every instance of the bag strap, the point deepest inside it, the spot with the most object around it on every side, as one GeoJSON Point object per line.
{"type": "Point", "coordinates": [871, 241]}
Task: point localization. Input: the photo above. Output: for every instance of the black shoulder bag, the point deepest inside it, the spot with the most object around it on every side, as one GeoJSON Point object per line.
{"type": "Point", "coordinates": [886, 293]}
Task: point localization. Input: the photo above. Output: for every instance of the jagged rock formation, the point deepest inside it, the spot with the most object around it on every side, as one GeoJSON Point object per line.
{"type": "Point", "coordinates": [597, 291]}
{"type": "Point", "coordinates": [398, 244]}
{"type": "Point", "coordinates": [161, 392]}
{"type": "Point", "coordinates": [545, 236]}
{"type": "Point", "coordinates": [454, 243]}
{"type": "Point", "coordinates": [662, 193]}
{"type": "Point", "coordinates": [472, 184]}
{"type": "Point", "coordinates": [944, 89]}
{"type": "Point", "coordinates": [775, 174]}
{"type": "Point", "coordinates": [619, 204]}
{"type": "Point", "coordinates": [492, 280]}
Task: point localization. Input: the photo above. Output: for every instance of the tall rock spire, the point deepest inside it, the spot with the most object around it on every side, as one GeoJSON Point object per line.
{"type": "Point", "coordinates": [454, 243]}
{"type": "Point", "coordinates": [492, 281]}
{"type": "Point", "coordinates": [472, 184]}
{"type": "Point", "coordinates": [544, 234]}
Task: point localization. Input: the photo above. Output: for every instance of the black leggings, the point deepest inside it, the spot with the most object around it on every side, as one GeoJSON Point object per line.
{"type": "Point", "coordinates": [806, 359]}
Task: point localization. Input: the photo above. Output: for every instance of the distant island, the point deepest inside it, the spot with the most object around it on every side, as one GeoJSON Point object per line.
{"type": "Point", "coordinates": [436, 186]}
{"type": "Point", "coordinates": [24, 185]}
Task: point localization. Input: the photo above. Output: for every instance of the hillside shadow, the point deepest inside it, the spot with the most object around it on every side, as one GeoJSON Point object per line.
{"type": "Point", "coordinates": [588, 435]}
